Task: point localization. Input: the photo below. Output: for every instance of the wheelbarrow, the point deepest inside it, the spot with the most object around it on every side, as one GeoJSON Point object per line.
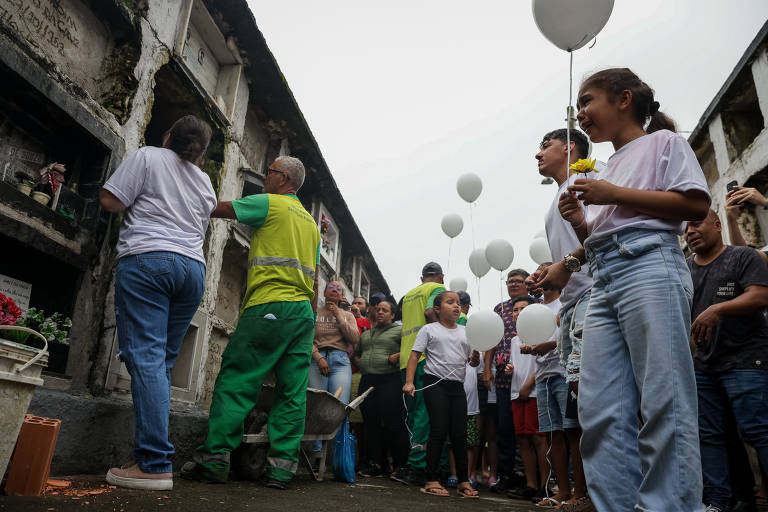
{"type": "Point", "coordinates": [325, 415]}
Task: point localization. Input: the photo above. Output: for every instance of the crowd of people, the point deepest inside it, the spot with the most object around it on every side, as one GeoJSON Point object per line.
{"type": "Point", "coordinates": [647, 396]}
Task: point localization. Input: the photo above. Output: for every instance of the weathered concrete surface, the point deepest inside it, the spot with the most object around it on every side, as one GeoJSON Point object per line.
{"type": "Point", "coordinates": [97, 433]}
{"type": "Point", "coordinates": [368, 495]}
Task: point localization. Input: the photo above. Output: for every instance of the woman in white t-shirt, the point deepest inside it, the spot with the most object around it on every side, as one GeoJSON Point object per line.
{"type": "Point", "coordinates": [636, 354]}
{"type": "Point", "coordinates": [159, 281]}
{"type": "Point", "coordinates": [444, 344]}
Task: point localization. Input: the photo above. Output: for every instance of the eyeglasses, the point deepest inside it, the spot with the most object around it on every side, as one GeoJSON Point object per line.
{"type": "Point", "coordinates": [334, 287]}
{"type": "Point", "coordinates": [271, 170]}
{"type": "Point", "coordinates": [515, 281]}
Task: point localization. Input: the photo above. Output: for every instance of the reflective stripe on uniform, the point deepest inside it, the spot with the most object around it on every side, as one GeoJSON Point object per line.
{"type": "Point", "coordinates": [411, 331]}
{"type": "Point", "coordinates": [277, 261]}
{"type": "Point", "coordinates": [287, 465]}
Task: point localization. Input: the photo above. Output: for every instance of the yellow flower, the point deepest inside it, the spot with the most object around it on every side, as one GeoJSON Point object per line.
{"type": "Point", "coordinates": [584, 166]}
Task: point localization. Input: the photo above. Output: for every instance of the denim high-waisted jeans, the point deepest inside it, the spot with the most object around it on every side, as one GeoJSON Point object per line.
{"type": "Point", "coordinates": [156, 296]}
{"type": "Point", "coordinates": [636, 358]}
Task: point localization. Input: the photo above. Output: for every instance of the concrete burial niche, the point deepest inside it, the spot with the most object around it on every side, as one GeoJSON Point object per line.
{"type": "Point", "coordinates": [176, 96]}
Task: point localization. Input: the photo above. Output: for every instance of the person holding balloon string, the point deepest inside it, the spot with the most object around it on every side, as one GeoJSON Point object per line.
{"type": "Point", "coordinates": [636, 354]}
{"type": "Point", "coordinates": [446, 350]}
{"type": "Point", "coordinates": [553, 163]}
{"type": "Point", "coordinates": [417, 307]}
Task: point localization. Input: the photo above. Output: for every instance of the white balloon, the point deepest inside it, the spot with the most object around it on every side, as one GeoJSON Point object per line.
{"type": "Point", "coordinates": [541, 234]}
{"type": "Point", "coordinates": [458, 284]}
{"type": "Point", "coordinates": [569, 25]}
{"type": "Point", "coordinates": [499, 254]}
{"type": "Point", "coordinates": [477, 263]}
{"type": "Point", "coordinates": [469, 187]}
{"type": "Point", "coordinates": [536, 324]}
{"type": "Point", "coordinates": [452, 225]}
{"type": "Point", "coordinates": [485, 329]}
{"type": "Point", "coordinates": [539, 251]}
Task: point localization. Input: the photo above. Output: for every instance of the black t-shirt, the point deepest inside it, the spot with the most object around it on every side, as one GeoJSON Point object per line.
{"type": "Point", "coordinates": [738, 342]}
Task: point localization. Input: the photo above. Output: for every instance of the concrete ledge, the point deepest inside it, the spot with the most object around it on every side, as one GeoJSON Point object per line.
{"type": "Point", "coordinates": [97, 433]}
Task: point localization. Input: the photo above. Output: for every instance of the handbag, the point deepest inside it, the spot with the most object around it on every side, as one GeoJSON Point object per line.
{"type": "Point", "coordinates": [344, 455]}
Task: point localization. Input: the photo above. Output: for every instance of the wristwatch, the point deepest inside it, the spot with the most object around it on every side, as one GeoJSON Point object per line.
{"type": "Point", "coordinates": [572, 263]}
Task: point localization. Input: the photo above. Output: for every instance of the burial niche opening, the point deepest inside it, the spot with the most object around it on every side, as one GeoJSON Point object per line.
{"type": "Point", "coordinates": [175, 97]}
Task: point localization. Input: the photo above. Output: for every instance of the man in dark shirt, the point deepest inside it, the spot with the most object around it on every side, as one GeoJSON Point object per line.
{"type": "Point", "coordinates": [731, 336]}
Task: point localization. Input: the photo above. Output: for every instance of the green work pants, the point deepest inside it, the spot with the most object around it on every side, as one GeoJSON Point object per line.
{"type": "Point", "coordinates": [418, 421]}
{"type": "Point", "coordinates": [259, 345]}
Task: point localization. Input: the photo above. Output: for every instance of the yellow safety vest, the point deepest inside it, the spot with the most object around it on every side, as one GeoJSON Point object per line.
{"type": "Point", "coordinates": [283, 257]}
{"type": "Point", "coordinates": [414, 305]}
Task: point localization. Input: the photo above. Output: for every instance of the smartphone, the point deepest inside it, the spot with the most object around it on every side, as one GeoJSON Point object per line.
{"type": "Point", "coordinates": [730, 186]}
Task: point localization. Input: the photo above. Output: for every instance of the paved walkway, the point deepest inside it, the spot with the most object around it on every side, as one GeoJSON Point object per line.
{"type": "Point", "coordinates": [368, 495]}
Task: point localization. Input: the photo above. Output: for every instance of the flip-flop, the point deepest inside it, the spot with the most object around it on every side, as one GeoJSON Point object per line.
{"type": "Point", "coordinates": [462, 491]}
{"type": "Point", "coordinates": [430, 491]}
{"type": "Point", "coordinates": [548, 502]}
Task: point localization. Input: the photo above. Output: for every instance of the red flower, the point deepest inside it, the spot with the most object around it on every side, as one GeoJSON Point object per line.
{"type": "Point", "coordinates": [9, 311]}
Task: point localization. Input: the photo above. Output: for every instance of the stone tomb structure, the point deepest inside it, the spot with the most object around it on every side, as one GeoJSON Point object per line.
{"type": "Point", "coordinates": [84, 83]}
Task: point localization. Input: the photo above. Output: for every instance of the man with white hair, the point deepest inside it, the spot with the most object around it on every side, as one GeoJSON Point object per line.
{"type": "Point", "coordinates": [275, 330]}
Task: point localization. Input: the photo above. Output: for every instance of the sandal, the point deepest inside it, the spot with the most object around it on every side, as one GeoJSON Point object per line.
{"type": "Point", "coordinates": [549, 502]}
{"type": "Point", "coordinates": [435, 490]}
{"type": "Point", "coordinates": [583, 504]}
{"type": "Point", "coordinates": [468, 492]}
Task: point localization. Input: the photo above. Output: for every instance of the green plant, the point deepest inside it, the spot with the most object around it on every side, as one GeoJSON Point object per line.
{"type": "Point", "coordinates": [55, 327]}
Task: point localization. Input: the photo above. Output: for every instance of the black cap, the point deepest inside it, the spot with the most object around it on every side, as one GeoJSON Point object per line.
{"type": "Point", "coordinates": [376, 298]}
{"type": "Point", "coordinates": [431, 269]}
{"type": "Point", "coordinates": [464, 298]}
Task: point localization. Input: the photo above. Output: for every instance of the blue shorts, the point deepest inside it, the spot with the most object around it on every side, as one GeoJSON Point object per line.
{"type": "Point", "coordinates": [552, 397]}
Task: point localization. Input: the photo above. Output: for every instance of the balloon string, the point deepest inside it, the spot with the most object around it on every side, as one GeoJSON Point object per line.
{"type": "Point", "coordinates": [501, 294]}
{"type": "Point", "coordinates": [450, 244]}
{"type": "Point", "coordinates": [479, 302]}
{"type": "Point", "coordinates": [472, 224]}
{"type": "Point", "coordinates": [568, 119]}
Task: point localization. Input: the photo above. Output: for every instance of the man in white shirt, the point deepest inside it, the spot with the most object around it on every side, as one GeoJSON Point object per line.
{"type": "Point", "coordinates": [574, 299]}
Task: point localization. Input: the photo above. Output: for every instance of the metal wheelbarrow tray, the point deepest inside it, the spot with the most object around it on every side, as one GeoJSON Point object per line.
{"type": "Point", "coordinates": [325, 414]}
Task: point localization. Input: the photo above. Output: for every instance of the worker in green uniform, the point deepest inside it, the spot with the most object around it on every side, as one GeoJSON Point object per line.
{"type": "Point", "coordinates": [275, 330]}
{"type": "Point", "coordinates": [465, 300]}
{"type": "Point", "coordinates": [417, 310]}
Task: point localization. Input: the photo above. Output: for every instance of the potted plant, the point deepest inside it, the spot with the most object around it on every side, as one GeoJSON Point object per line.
{"type": "Point", "coordinates": [25, 183]}
{"type": "Point", "coordinates": [55, 330]}
{"type": "Point", "coordinates": [20, 368]}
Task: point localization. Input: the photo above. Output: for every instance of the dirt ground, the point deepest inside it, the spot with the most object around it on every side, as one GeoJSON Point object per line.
{"type": "Point", "coordinates": [367, 494]}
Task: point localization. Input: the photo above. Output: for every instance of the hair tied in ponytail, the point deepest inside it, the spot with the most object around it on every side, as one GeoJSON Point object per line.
{"type": "Point", "coordinates": [654, 107]}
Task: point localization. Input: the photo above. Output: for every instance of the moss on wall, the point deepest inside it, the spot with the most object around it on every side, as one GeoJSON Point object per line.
{"type": "Point", "coordinates": [121, 82]}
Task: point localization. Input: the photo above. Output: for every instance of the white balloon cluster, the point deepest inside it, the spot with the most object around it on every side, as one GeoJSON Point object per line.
{"type": "Point", "coordinates": [457, 284]}
{"type": "Point", "coordinates": [485, 329]}
{"type": "Point", "coordinates": [536, 324]}
{"type": "Point", "coordinates": [570, 25]}
{"type": "Point", "coordinates": [452, 225]}
{"type": "Point", "coordinates": [539, 250]}
{"type": "Point", "coordinates": [469, 187]}
{"type": "Point", "coordinates": [478, 263]}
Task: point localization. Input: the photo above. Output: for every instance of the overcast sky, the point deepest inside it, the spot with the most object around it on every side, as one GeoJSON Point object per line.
{"type": "Point", "coordinates": [405, 96]}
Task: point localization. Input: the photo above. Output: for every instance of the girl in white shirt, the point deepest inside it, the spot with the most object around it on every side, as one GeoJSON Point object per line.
{"type": "Point", "coordinates": [444, 344]}
{"type": "Point", "coordinates": [636, 354]}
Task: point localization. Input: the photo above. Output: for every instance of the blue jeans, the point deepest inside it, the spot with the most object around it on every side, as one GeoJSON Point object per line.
{"type": "Point", "coordinates": [156, 296]}
{"type": "Point", "coordinates": [746, 393]}
{"type": "Point", "coordinates": [341, 376]}
{"type": "Point", "coordinates": [570, 335]}
{"type": "Point", "coordinates": [636, 357]}
{"type": "Point", "coordinates": [551, 400]}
